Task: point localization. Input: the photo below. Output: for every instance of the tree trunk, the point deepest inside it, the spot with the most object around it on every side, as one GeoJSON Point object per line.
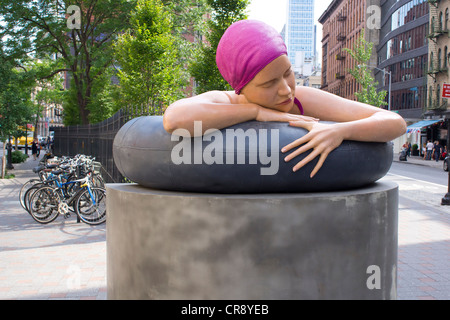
{"type": "Point", "coordinates": [84, 112]}
{"type": "Point", "coordinates": [36, 122]}
{"type": "Point", "coordinates": [81, 100]}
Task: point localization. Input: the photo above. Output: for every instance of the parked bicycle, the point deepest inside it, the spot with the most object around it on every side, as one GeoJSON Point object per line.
{"type": "Point", "coordinates": [65, 186]}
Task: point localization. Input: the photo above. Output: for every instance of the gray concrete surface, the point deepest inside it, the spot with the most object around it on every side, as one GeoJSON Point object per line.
{"type": "Point", "coordinates": [172, 245]}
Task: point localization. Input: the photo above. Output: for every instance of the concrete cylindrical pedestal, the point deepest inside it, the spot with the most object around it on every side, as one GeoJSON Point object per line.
{"type": "Point", "coordinates": [170, 245]}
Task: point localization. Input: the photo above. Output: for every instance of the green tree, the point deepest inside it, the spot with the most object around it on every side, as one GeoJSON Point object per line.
{"type": "Point", "coordinates": [15, 106]}
{"type": "Point", "coordinates": [84, 51]}
{"type": "Point", "coordinates": [186, 15]}
{"type": "Point", "coordinates": [48, 91]}
{"type": "Point", "coordinates": [187, 27]}
{"type": "Point", "coordinates": [105, 99]}
{"type": "Point", "coordinates": [204, 68]}
{"type": "Point", "coordinates": [149, 72]}
{"type": "Point", "coordinates": [363, 74]}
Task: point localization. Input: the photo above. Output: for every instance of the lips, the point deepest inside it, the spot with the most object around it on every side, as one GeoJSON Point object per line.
{"type": "Point", "coordinates": [288, 101]}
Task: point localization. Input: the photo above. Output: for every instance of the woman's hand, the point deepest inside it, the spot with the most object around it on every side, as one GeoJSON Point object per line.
{"type": "Point", "coordinates": [322, 138]}
{"type": "Point", "coordinates": [266, 114]}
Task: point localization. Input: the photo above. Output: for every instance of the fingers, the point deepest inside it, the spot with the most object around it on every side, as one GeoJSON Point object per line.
{"type": "Point", "coordinates": [300, 124]}
{"type": "Point", "coordinates": [303, 118]}
{"type": "Point", "coordinates": [305, 123]}
{"type": "Point", "coordinates": [314, 154]}
{"type": "Point", "coordinates": [302, 140]}
{"type": "Point", "coordinates": [306, 160]}
{"type": "Point", "coordinates": [295, 144]}
{"type": "Point", "coordinates": [297, 152]}
{"type": "Point", "coordinates": [321, 139]}
{"type": "Point", "coordinates": [319, 164]}
{"type": "Point", "coordinates": [304, 144]}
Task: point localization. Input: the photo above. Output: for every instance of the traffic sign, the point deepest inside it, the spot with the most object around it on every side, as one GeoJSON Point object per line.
{"type": "Point", "coordinates": [446, 91]}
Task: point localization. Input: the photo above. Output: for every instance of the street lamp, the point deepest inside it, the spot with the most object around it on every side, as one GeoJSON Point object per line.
{"type": "Point", "coordinates": [390, 82]}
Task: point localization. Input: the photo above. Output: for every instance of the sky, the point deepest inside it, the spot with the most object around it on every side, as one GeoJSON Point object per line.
{"type": "Point", "coordinates": [273, 12]}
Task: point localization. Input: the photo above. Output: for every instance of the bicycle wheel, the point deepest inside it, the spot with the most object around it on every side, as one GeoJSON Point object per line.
{"type": "Point", "coordinates": [98, 181]}
{"type": "Point", "coordinates": [44, 204]}
{"type": "Point", "coordinates": [91, 206]}
{"type": "Point", "coordinates": [27, 185]}
{"type": "Point", "coordinates": [29, 193]}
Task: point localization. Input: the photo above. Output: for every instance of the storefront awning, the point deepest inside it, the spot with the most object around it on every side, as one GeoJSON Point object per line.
{"type": "Point", "coordinates": [421, 124]}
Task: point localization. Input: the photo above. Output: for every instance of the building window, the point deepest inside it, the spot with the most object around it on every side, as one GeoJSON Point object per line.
{"type": "Point", "coordinates": [445, 57]}
{"type": "Point", "coordinates": [439, 58]}
{"type": "Point", "coordinates": [431, 61]}
{"type": "Point", "coordinates": [446, 20]}
{"type": "Point", "coordinates": [430, 97]}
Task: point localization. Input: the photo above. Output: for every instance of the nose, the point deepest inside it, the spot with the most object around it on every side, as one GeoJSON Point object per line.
{"type": "Point", "coordinates": [285, 88]}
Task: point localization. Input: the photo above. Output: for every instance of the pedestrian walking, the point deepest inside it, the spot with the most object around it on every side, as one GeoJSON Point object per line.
{"type": "Point", "coordinates": [47, 144]}
{"type": "Point", "coordinates": [34, 148]}
{"type": "Point", "coordinates": [430, 147]}
{"type": "Point", "coordinates": [437, 150]}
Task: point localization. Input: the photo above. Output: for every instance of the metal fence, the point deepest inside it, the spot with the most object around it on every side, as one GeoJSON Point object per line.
{"type": "Point", "coordinates": [96, 140]}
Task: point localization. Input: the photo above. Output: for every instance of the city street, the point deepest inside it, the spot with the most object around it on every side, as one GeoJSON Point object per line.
{"type": "Point", "coordinates": [421, 185]}
{"type": "Point", "coordinates": [430, 171]}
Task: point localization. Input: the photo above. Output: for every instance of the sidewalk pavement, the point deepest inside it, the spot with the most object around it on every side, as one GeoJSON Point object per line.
{"type": "Point", "coordinates": [67, 260]}
{"type": "Point", "coordinates": [60, 260]}
{"type": "Point", "coordinates": [420, 161]}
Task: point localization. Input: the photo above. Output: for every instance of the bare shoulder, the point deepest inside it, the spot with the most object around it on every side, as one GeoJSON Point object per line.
{"type": "Point", "coordinates": [302, 92]}
{"type": "Point", "coordinates": [316, 102]}
{"type": "Point", "coordinates": [327, 106]}
{"type": "Point", "coordinates": [206, 97]}
{"type": "Point", "coordinates": [312, 96]}
{"type": "Point", "coordinates": [220, 96]}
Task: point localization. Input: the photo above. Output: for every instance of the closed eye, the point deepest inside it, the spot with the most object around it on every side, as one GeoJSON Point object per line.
{"type": "Point", "coordinates": [288, 73]}
{"type": "Point", "coordinates": [272, 82]}
{"type": "Point", "coordinates": [268, 84]}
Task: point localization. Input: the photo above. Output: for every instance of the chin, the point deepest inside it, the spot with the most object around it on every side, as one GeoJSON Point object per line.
{"type": "Point", "coordinates": [285, 108]}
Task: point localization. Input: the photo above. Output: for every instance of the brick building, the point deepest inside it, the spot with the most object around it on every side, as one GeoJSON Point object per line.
{"type": "Point", "coordinates": [343, 22]}
{"type": "Point", "coordinates": [439, 56]}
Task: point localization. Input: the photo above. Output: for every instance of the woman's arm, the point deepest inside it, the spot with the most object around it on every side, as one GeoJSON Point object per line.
{"type": "Point", "coordinates": [217, 110]}
{"type": "Point", "coordinates": [356, 121]}
{"type": "Point", "coordinates": [368, 123]}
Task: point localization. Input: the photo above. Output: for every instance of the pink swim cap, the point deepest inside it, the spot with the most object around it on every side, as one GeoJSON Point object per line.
{"type": "Point", "coordinates": [245, 48]}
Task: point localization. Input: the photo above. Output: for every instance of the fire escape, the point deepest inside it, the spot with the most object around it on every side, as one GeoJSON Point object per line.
{"type": "Point", "coordinates": [340, 56]}
{"type": "Point", "coordinates": [437, 60]}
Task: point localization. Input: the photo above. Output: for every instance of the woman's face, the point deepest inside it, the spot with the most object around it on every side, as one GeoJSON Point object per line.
{"type": "Point", "coordinates": [273, 87]}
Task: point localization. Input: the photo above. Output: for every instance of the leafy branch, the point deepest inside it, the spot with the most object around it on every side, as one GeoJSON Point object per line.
{"type": "Point", "coordinates": [361, 54]}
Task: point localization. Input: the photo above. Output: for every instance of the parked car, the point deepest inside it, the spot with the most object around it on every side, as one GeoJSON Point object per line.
{"type": "Point", "coordinates": [22, 140]}
{"type": "Point", "coordinates": [446, 162]}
